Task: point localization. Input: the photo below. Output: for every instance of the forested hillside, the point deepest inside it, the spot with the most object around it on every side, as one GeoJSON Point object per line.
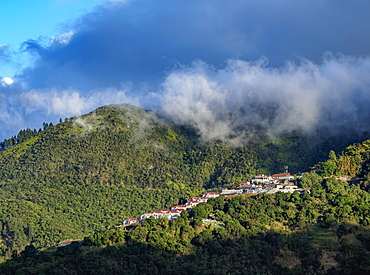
{"type": "Point", "coordinates": [325, 232]}
{"type": "Point", "coordinates": [91, 172]}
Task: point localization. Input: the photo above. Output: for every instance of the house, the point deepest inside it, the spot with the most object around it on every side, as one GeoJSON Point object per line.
{"type": "Point", "coordinates": [163, 210]}
{"type": "Point", "coordinates": [191, 203]}
{"type": "Point", "coordinates": [174, 214]}
{"type": "Point", "coordinates": [261, 179]}
{"type": "Point", "coordinates": [273, 185]}
{"type": "Point", "coordinates": [146, 216]}
{"type": "Point", "coordinates": [157, 214]}
{"type": "Point", "coordinates": [250, 187]}
{"type": "Point", "coordinates": [201, 199]}
{"type": "Point", "coordinates": [163, 213]}
{"type": "Point", "coordinates": [255, 189]}
{"type": "Point", "coordinates": [211, 195]}
{"type": "Point", "coordinates": [130, 221]}
{"type": "Point", "coordinates": [284, 176]}
{"type": "Point", "coordinates": [178, 207]}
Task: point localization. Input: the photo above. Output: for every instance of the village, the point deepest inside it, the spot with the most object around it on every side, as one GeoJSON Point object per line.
{"type": "Point", "coordinates": [259, 184]}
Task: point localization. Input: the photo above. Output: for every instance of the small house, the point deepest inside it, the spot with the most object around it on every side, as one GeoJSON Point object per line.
{"type": "Point", "coordinates": [130, 221]}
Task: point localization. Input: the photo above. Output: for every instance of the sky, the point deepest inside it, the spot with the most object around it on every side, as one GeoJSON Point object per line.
{"type": "Point", "coordinates": [224, 67]}
{"type": "Point", "coordinates": [19, 23]}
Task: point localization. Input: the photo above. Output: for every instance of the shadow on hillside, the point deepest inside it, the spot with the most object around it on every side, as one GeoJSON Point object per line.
{"type": "Point", "coordinates": [338, 249]}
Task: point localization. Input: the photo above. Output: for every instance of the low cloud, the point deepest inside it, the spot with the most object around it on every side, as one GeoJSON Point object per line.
{"type": "Point", "coordinates": [69, 102]}
{"type": "Point", "coordinates": [21, 108]}
{"type": "Point", "coordinates": [231, 103]}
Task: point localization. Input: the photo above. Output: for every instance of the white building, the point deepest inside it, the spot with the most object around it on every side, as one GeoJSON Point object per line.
{"type": "Point", "coordinates": [261, 179]}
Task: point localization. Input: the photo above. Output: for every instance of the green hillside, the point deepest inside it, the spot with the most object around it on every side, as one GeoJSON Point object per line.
{"type": "Point", "coordinates": [91, 172]}
{"type": "Point", "coordinates": [276, 234]}
{"type": "Point", "coordinates": [324, 231]}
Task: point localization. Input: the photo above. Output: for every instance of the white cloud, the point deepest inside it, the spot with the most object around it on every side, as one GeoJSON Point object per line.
{"type": "Point", "coordinates": [230, 103]}
{"type": "Point", "coordinates": [63, 38]}
{"type": "Point", "coordinates": [70, 102]}
{"type": "Point", "coordinates": [6, 81]}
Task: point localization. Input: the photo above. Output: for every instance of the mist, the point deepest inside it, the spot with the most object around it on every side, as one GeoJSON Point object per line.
{"type": "Point", "coordinates": [231, 103]}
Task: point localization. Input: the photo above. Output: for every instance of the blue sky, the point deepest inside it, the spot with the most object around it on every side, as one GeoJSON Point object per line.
{"type": "Point", "coordinates": [207, 63]}
{"type": "Point", "coordinates": [22, 20]}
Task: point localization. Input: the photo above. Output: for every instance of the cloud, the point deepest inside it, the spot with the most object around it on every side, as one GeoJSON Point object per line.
{"type": "Point", "coordinates": [229, 103]}
{"type": "Point", "coordinates": [6, 81]}
{"type": "Point", "coordinates": [21, 108]}
{"type": "Point", "coordinates": [232, 103]}
{"type": "Point", "coordinates": [140, 41]}
{"type": "Point", "coordinates": [63, 38]}
{"type": "Point", "coordinates": [70, 102]}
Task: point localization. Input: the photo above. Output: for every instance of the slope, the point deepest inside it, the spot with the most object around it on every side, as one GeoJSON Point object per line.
{"type": "Point", "coordinates": [95, 170]}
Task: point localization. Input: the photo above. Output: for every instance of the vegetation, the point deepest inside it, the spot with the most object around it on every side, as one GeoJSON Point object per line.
{"type": "Point", "coordinates": [82, 176]}
{"type": "Point", "coordinates": [264, 234]}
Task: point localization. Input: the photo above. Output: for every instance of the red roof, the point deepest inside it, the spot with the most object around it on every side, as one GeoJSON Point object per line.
{"type": "Point", "coordinates": [210, 193]}
{"type": "Point", "coordinates": [131, 219]}
{"type": "Point", "coordinates": [200, 198]}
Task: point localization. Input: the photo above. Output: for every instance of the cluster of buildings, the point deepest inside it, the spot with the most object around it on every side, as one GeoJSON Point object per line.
{"type": "Point", "coordinates": [271, 184]}
{"type": "Point", "coordinates": [258, 184]}
{"type": "Point", "coordinates": [175, 210]}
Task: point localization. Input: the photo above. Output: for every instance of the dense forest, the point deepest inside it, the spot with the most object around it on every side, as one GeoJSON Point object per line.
{"type": "Point", "coordinates": [91, 172]}
{"type": "Point", "coordinates": [322, 232]}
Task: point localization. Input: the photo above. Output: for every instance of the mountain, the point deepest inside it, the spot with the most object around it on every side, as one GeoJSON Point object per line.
{"type": "Point", "coordinates": [91, 172]}
{"type": "Point", "coordinates": [95, 170]}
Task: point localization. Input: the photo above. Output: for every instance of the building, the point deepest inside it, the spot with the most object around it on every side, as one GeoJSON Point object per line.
{"type": "Point", "coordinates": [211, 195]}
{"type": "Point", "coordinates": [261, 179]}
{"type": "Point", "coordinates": [191, 203]}
{"type": "Point", "coordinates": [130, 221]}
{"type": "Point", "coordinates": [285, 176]}
{"type": "Point", "coordinates": [201, 199]}
{"type": "Point", "coordinates": [178, 207]}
